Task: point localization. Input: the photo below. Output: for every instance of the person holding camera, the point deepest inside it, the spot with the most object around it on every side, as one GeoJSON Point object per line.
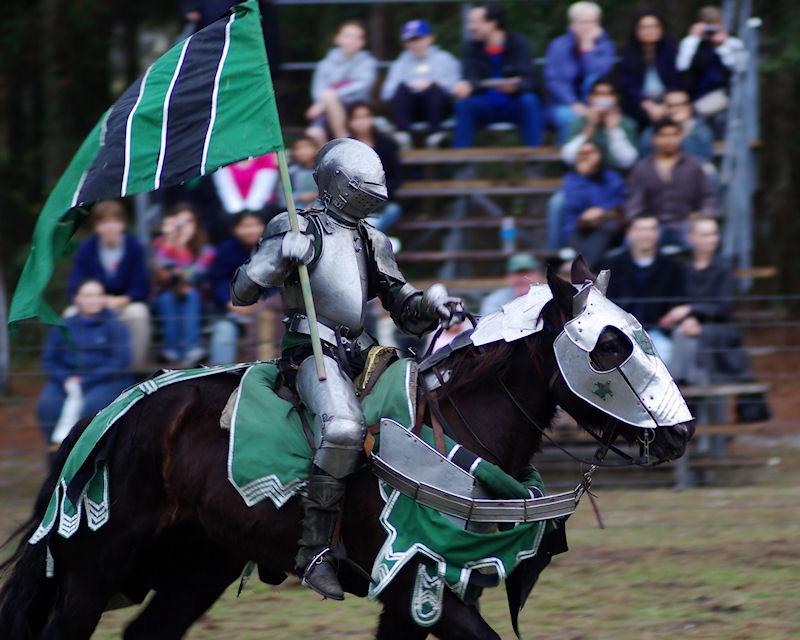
{"type": "Point", "coordinates": [182, 257]}
{"type": "Point", "coordinates": [708, 57]}
{"type": "Point", "coordinates": [604, 124]}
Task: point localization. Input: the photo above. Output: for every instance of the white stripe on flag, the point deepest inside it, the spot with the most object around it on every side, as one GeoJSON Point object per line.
{"type": "Point", "coordinates": [128, 126]}
{"type": "Point", "coordinates": [165, 114]}
{"type": "Point", "coordinates": [213, 117]}
{"type": "Point", "coordinates": [83, 175]}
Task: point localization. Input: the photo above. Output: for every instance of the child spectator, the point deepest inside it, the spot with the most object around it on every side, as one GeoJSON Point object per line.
{"type": "Point", "coordinates": [649, 284]}
{"type": "Point", "coordinates": [344, 76]}
{"type": "Point", "coordinates": [301, 171]}
{"type": "Point", "coordinates": [117, 261]}
{"type": "Point", "coordinates": [669, 184]}
{"type": "Point", "coordinates": [522, 270]}
{"type": "Point", "coordinates": [89, 356]}
{"type": "Point", "coordinates": [708, 56]}
{"type": "Point", "coordinates": [498, 80]}
{"type": "Point", "coordinates": [361, 125]}
{"type": "Point", "coordinates": [604, 124]}
{"type": "Point", "coordinates": [230, 255]}
{"type": "Point", "coordinates": [698, 140]}
{"type": "Point", "coordinates": [182, 259]}
{"type": "Point", "coordinates": [419, 84]}
{"type": "Point", "coordinates": [647, 70]}
{"type": "Point", "coordinates": [248, 185]}
{"type": "Point", "coordinates": [573, 62]}
{"type": "Point", "coordinates": [593, 200]}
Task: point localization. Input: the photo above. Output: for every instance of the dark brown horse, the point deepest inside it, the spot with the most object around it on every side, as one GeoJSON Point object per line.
{"type": "Point", "coordinates": [178, 526]}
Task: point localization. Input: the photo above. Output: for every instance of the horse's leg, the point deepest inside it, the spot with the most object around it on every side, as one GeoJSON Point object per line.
{"type": "Point", "coordinates": [396, 624]}
{"type": "Point", "coordinates": [461, 622]}
{"type": "Point", "coordinates": [80, 603]}
{"type": "Point", "coordinates": [186, 592]}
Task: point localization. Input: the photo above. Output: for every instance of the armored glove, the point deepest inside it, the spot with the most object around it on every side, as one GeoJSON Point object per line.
{"type": "Point", "coordinates": [297, 247]}
{"type": "Point", "coordinates": [436, 302]}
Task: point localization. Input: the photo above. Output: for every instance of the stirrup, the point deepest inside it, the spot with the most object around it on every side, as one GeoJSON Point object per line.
{"type": "Point", "coordinates": [316, 561]}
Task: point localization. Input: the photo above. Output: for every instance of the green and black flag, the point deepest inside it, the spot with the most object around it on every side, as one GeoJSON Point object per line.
{"type": "Point", "coordinates": [204, 104]}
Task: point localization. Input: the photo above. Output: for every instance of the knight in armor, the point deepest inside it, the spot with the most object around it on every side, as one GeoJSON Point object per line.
{"type": "Point", "coordinates": [349, 263]}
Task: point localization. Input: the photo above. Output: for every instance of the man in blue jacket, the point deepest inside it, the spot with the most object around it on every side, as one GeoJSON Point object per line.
{"type": "Point", "coordinates": [498, 84]}
{"type": "Point", "coordinates": [90, 356]}
{"type": "Point", "coordinates": [118, 262]}
{"type": "Point", "coordinates": [573, 62]}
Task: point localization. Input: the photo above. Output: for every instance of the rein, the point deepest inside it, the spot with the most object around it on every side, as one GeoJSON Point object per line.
{"type": "Point", "coordinates": [602, 450]}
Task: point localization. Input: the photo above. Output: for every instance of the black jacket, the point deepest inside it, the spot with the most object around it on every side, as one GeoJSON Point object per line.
{"type": "Point", "coordinates": [517, 61]}
{"type": "Point", "coordinates": [631, 71]}
{"type": "Point", "coordinates": [664, 279]}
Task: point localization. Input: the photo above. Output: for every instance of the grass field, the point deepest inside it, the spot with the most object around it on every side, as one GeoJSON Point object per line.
{"type": "Point", "coordinates": [720, 563]}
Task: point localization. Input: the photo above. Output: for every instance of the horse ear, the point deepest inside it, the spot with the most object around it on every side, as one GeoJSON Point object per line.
{"type": "Point", "coordinates": [563, 292]}
{"type": "Point", "coordinates": [580, 271]}
{"type": "Point", "coordinates": [602, 280]}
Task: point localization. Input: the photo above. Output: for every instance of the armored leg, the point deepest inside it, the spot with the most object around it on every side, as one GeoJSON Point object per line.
{"type": "Point", "coordinates": [339, 433]}
{"type": "Point", "coordinates": [339, 425]}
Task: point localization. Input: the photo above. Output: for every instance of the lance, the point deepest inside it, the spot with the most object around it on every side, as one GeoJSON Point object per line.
{"type": "Point", "coordinates": [302, 269]}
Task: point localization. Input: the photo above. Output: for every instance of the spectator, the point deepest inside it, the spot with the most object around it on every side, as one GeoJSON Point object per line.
{"type": "Point", "coordinates": [88, 357]}
{"type": "Point", "coordinates": [647, 70]}
{"type": "Point", "coordinates": [522, 270]}
{"type": "Point", "coordinates": [707, 345]}
{"type": "Point", "coordinates": [498, 80]}
{"type": "Point", "coordinates": [117, 261]}
{"type": "Point", "coordinates": [230, 255]}
{"type": "Point", "coordinates": [648, 284]}
{"type": "Point", "coordinates": [182, 259]}
{"type": "Point", "coordinates": [420, 83]}
{"type": "Point", "coordinates": [708, 56]}
{"type": "Point", "coordinates": [361, 125]}
{"type": "Point", "coordinates": [572, 64]}
{"type": "Point", "coordinates": [604, 124]}
{"type": "Point", "coordinates": [593, 200]}
{"type": "Point", "coordinates": [697, 141]}
{"type": "Point", "coordinates": [343, 77]}
{"type": "Point", "coordinates": [669, 184]}
{"type": "Point", "coordinates": [301, 171]}
{"type": "Point", "coordinates": [248, 185]}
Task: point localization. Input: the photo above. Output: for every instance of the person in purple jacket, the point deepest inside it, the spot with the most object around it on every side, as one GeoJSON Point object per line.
{"type": "Point", "coordinates": [231, 254]}
{"type": "Point", "coordinates": [92, 351]}
{"type": "Point", "coordinates": [117, 260]}
{"type": "Point", "coordinates": [572, 64]}
{"type": "Point", "coordinates": [593, 200]}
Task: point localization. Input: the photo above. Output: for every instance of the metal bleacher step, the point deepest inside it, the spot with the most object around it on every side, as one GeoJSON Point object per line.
{"type": "Point", "coordinates": [494, 222]}
{"type": "Point", "coordinates": [480, 154]}
{"type": "Point", "coordinates": [482, 255]}
{"type": "Point", "coordinates": [454, 188]}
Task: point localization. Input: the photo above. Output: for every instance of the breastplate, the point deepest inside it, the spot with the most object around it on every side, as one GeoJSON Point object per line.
{"type": "Point", "coordinates": [338, 279]}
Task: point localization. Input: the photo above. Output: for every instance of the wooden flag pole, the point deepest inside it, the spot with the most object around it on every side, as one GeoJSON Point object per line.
{"type": "Point", "coordinates": [302, 269]}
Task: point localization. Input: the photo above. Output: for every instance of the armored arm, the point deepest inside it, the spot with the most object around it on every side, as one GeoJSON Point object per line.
{"type": "Point", "coordinates": [276, 254]}
{"type": "Point", "coordinates": [417, 312]}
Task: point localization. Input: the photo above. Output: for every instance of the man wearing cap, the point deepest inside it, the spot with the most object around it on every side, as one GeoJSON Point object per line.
{"type": "Point", "coordinates": [419, 84]}
{"type": "Point", "coordinates": [522, 270]}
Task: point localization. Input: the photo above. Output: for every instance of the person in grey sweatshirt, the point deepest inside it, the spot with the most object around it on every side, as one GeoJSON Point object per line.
{"type": "Point", "coordinates": [344, 76]}
{"type": "Point", "coordinates": [420, 82]}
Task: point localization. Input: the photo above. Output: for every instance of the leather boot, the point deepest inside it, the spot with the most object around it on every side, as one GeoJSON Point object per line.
{"type": "Point", "coordinates": [322, 500]}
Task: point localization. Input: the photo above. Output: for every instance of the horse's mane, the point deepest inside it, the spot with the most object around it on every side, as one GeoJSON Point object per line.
{"type": "Point", "coordinates": [471, 366]}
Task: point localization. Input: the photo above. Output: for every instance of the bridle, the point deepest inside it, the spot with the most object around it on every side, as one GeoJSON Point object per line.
{"type": "Point", "coordinates": [604, 444]}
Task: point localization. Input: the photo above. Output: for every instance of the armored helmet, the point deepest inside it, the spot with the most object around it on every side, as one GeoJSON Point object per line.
{"type": "Point", "coordinates": [350, 178]}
